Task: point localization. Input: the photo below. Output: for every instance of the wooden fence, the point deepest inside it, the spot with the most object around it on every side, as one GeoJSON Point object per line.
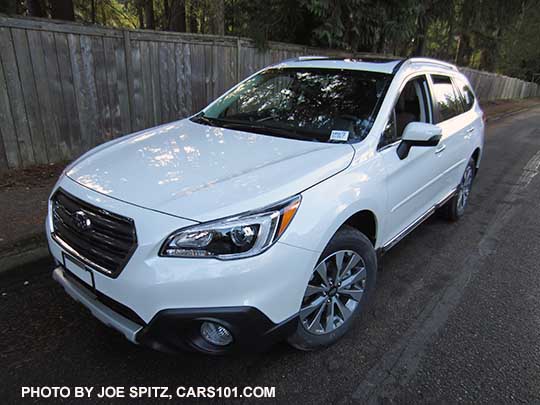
{"type": "Point", "coordinates": [66, 87]}
{"type": "Point", "coordinates": [492, 86]}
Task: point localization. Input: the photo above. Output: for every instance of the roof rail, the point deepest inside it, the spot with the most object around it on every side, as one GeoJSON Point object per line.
{"type": "Point", "coordinates": [431, 61]}
{"type": "Point", "coordinates": [303, 58]}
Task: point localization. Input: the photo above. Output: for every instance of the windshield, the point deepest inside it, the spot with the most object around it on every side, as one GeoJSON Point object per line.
{"type": "Point", "coordinates": [310, 104]}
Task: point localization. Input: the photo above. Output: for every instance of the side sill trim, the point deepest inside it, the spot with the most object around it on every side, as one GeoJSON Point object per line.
{"type": "Point", "coordinates": [396, 239]}
{"type": "Point", "coordinates": [106, 315]}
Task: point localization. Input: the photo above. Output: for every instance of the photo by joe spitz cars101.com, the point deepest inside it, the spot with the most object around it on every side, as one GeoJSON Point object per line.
{"type": "Point", "coordinates": [262, 217]}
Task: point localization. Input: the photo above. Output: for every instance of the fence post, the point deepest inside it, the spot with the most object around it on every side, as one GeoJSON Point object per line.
{"type": "Point", "coordinates": [129, 77]}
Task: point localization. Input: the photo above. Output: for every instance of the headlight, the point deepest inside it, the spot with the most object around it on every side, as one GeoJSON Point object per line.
{"type": "Point", "coordinates": [235, 237]}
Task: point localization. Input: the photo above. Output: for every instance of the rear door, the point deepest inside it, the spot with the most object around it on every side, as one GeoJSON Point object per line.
{"type": "Point", "coordinates": [472, 123]}
{"type": "Point", "coordinates": [449, 116]}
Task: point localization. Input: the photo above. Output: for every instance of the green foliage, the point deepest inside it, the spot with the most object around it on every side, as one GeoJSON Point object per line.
{"type": "Point", "coordinates": [114, 13]}
{"type": "Point", "coordinates": [501, 35]}
{"type": "Point", "coordinates": [264, 20]}
{"type": "Point", "coordinates": [520, 45]}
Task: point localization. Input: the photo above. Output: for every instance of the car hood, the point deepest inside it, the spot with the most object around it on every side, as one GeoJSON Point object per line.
{"type": "Point", "coordinates": [201, 172]}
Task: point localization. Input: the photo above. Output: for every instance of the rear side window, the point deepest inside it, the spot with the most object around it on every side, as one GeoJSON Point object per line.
{"type": "Point", "coordinates": [467, 95]}
{"type": "Point", "coordinates": [446, 99]}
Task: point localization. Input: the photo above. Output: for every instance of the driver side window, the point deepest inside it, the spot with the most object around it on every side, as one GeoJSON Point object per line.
{"type": "Point", "coordinates": [411, 106]}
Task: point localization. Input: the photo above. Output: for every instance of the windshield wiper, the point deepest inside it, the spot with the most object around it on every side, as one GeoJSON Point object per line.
{"type": "Point", "coordinates": [203, 119]}
{"type": "Point", "coordinates": [265, 129]}
{"type": "Point", "coordinates": [252, 127]}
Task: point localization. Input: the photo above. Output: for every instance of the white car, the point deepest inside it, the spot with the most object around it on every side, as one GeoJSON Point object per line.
{"type": "Point", "coordinates": [262, 217]}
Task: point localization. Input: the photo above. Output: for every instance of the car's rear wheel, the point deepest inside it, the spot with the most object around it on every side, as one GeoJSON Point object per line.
{"type": "Point", "coordinates": [337, 291]}
{"type": "Point", "coordinates": [454, 209]}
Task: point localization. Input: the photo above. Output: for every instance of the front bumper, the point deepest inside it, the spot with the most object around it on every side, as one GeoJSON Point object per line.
{"type": "Point", "coordinates": [90, 300]}
{"type": "Point", "coordinates": [274, 282]}
{"type": "Point", "coordinates": [255, 296]}
{"type": "Point", "coordinates": [173, 330]}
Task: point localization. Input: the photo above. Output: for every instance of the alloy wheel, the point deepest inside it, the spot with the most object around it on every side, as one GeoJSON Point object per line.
{"type": "Point", "coordinates": [333, 292]}
{"type": "Point", "coordinates": [465, 189]}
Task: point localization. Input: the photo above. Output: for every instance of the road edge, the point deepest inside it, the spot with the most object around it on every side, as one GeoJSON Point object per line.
{"type": "Point", "coordinates": [24, 252]}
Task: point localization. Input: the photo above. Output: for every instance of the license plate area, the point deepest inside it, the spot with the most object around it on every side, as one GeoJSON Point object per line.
{"type": "Point", "coordinates": [78, 269]}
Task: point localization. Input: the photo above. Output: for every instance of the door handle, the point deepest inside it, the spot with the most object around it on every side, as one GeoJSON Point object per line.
{"type": "Point", "coordinates": [440, 149]}
{"type": "Point", "coordinates": [469, 133]}
{"type": "Point", "coordinates": [470, 130]}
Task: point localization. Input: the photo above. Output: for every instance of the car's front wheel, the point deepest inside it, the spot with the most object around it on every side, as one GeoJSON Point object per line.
{"type": "Point", "coordinates": [337, 291]}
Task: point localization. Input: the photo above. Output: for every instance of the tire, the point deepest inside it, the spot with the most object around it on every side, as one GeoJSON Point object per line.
{"type": "Point", "coordinates": [343, 297]}
{"type": "Point", "coordinates": [453, 210]}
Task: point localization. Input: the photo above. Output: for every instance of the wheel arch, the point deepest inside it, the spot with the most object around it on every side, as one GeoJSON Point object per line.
{"type": "Point", "coordinates": [477, 154]}
{"type": "Point", "coordinates": [364, 221]}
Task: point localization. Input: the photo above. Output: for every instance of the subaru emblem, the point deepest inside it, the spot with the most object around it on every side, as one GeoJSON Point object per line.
{"type": "Point", "coordinates": [81, 220]}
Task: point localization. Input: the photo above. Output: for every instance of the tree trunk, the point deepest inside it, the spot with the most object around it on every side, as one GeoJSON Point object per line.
{"type": "Point", "coordinates": [381, 42]}
{"type": "Point", "coordinates": [93, 11]}
{"type": "Point", "coordinates": [193, 16]}
{"type": "Point", "coordinates": [166, 23]}
{"type": "Point", "coordinates": [216, 14]}
{"type": "Point", "coordinates": [464, 51]}
{"type": "Point", "coordinates": [103, 15]}
{"type": "Point", "coordinates": [449, 39]}
{"type": "Point", "coordinates": [178, 16]}
{"type": "Point", "coordinates": [35, 8]}
{"type": "Point", "coordinates": [62, 10]}
{"type": "Point", "coordinates": [466, 26]}
{"type": "Point", "coordinates": [140, 15]}
{"type": "Point", "coordinates": [420, 38]}
{"type": "Point", "coordinates": [149, 15]}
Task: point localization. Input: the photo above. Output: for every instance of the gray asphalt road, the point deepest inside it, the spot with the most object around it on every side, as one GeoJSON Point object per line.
{"type": "Point", "coordinates": [456, 317]}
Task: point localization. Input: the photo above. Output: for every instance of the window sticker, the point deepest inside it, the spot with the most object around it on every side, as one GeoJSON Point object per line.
{"type": "Point", "coordinates": [341, 136]}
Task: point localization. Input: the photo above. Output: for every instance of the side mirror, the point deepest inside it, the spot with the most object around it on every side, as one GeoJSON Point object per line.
{"type": "Point", "coordinates": [418, 134]}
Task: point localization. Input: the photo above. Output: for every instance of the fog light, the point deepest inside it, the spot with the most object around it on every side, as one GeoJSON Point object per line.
{"type": "Point", "coordinates": [216, 334]}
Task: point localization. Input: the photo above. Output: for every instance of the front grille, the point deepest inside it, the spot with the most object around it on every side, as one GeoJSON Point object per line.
{"type": "Point", "coordinates": [103, 240]}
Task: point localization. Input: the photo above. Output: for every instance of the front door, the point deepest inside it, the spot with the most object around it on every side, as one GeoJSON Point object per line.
{"type": "Point", "coordinates": [413, 183]}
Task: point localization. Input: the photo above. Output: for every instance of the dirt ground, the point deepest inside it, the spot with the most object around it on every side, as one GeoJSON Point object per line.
{"type": "Point", "coordinates": [23, 205]}
{"type": "Point", "coordinates": [24, 192]}
{"type": "Point", "coordinates": [494, 109]}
